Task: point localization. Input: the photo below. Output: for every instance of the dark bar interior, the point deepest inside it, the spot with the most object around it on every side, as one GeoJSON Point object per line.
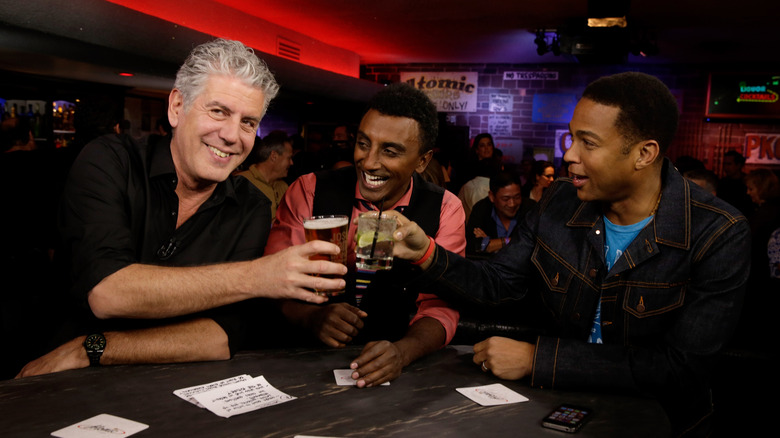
{"type": "Point", "coordinates": [510, 74]}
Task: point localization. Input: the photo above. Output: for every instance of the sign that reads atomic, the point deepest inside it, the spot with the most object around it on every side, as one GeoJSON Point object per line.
{"type": "Point", "coordinates": [452, 92]}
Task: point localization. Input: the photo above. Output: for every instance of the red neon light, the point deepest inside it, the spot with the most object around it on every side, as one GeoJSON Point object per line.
{"type": "Point", "coordinates": [768, 97]}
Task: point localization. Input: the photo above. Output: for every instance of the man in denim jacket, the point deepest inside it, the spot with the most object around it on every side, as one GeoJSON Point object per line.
{"type": "Point", "coordinates": [645, 315]}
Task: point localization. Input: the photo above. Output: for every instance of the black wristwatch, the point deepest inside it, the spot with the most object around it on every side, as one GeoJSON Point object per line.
{"type": "Point", "coordinates": [95, 344]}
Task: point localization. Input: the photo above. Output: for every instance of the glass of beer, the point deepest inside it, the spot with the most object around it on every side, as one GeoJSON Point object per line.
{"type": "Point", "coordinates": [333, 229]}
{"type": "Point", "coordinates": [374, 241]}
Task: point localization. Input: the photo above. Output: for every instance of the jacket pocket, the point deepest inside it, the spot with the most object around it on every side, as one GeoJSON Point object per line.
{"type": "Point", "coordinates": [649, 308]}
{"type": "Point", "coordinates": [557, 277]}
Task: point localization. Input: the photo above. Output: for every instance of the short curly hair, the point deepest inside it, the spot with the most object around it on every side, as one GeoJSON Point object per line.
{"type": "Point", "coordinates": [403, 100]}
{"type": "Point", "coordinates": [648, 110]}
{"type": "Point", "coordinates": [224, 57]}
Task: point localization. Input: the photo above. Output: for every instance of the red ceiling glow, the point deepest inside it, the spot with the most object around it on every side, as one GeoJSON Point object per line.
{"type": "Point", "coordinates": [221, 19]}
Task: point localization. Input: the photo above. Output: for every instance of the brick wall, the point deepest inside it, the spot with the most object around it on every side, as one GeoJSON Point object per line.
{"type": "Point", "coordinates": [704, 140]}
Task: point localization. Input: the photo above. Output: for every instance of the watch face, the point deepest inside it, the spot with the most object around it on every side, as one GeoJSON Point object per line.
{"type": "Point", "coordinates": [95, 342]}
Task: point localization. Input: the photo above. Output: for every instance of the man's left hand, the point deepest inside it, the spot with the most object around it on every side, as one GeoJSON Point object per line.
{"type": "Point", "coordinates": [379, 362]}
{"type": "Point", "coordinates": [504, 357]}
{"type": "Point", "coordinates": [68, 356]}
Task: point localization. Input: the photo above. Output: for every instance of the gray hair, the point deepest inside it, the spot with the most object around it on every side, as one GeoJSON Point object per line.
{"type": "Point", "coordinates": [273, 142]}
{"type": "Point", "coordinates": [224, 57]}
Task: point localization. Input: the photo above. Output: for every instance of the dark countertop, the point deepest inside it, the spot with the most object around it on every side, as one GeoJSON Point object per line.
{"type": "Point", "coordinates": [422, 402]}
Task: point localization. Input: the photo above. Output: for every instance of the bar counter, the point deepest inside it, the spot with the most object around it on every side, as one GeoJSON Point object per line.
{"type": "Point", "coordinates": [422, 402]}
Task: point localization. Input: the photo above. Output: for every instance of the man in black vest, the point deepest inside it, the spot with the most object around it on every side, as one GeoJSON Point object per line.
{"type": "Point", "coordinates": [398, 324]}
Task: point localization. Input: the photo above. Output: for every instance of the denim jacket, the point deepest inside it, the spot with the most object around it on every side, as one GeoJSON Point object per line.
{"type": "Point", "coordinates": [668, 305]}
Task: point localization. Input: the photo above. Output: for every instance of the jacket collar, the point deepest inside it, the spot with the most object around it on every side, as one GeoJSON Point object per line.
{"type": "Point", "coordinates": [672, 223]}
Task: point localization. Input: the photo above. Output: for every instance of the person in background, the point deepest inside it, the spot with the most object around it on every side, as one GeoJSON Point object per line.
{"type": "Point", "coordinates": [397, 324]}
{"type": "Point", "coordinates": [163, 245]}
{"type": "Point", "coordinates": [641, 277]}
{"type": "Point", "coordinates": [704, 178]}
{"type": "Point", "coordinates": [773, 253]}
{"type": "Point", "coordinates": [483, 146]}
{"type": "Point", "coordinates": [543, 175]}
{"type": "Point", "coordinates": [434, 173]}
{"type": "Point", "coordinates": [16, 135]}
{"type": "Point", "coordinates": [731, 186]}
{"type": "Point", "coordinates": [478, 187]}
{"type": "Point", "coordinates": [764, 191]}
{"type": "Point", "coordinates": [343, 142]}
{"type": "Point", "coordinates": [162, 131]}
{"type": "Point", "coordinates": [686, 163]}
{"type": "Point", "coordinates": [494, 220]}
{"type": "Point", "coordinates": [30, 305]}
{"type": "Point", "coordinates": [527, 170]}
{"type": "Point", "coordinates": [269, 162]}
{"type": "Point", "coordinates": [763, 187]}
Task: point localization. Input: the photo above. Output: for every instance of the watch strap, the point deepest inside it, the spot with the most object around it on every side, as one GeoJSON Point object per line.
{"type": "Point", "coordinates": [94, 345]}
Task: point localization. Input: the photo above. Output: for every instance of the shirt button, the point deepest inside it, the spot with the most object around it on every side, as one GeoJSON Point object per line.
{"type": "Point", "coordinates": [173, 213]}
{"type": "Point", "coordinates": [598, 231]}
{"type": "Point", "coordinates": [593, 272]}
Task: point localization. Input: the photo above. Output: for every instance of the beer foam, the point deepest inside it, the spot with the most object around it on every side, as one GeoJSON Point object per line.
{"type": "Point", "coordinates": [325, 223]}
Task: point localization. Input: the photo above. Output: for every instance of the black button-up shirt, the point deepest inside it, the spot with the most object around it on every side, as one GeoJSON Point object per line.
{"type": "Point", "coordinates": [119, 208]}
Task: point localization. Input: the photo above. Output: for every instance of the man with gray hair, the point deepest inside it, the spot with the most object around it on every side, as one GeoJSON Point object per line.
{"type": "Point", "coordinates": [269, 162]}
{"type": "Point", "coordinates": [162, 243]}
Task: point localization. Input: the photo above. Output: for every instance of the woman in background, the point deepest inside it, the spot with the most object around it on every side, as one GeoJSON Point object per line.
{"type": "Point", "coordinates": [543, 176]}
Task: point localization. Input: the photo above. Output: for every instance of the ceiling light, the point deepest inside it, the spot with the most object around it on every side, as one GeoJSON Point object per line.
{"type": "Point", "coordinates": [607, 22]}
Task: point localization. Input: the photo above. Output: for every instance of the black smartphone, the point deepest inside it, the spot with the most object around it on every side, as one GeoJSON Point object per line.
{"type": "Point", "coordinates": [567, 418]}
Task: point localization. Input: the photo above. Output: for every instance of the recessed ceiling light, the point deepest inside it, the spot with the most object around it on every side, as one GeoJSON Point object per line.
{"type": "Point", "coordinates": [607, 22]}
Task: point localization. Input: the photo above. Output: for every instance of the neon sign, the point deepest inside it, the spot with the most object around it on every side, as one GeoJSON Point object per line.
{"type": "Point", "coordinates": [755, 93]}
{"type": "Point", "coordinates": [744, 95]}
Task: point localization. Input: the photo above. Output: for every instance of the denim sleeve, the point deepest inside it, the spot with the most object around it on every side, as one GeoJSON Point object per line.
{"type": "Point", "coordinates": [503, 278]}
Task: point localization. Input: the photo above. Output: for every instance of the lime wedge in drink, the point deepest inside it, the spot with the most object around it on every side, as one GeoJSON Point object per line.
{"type": "Point", "coordinates": [365, 239]}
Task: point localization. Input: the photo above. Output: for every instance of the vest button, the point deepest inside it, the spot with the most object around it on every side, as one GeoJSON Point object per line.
{"type": "Point", "coordinates": [593, 272]}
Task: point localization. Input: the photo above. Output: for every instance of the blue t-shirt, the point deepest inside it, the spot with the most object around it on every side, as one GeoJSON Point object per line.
{"type": "Point", "coordinates": [618, 238]}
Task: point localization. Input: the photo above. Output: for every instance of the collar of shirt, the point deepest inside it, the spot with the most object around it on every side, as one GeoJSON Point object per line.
{"type": "Point", "coordinates": [362, 204]}
{"type": "Point", "coordinates": [502, 232]}
{"type": "Point", "coordinates": [672, 218]}
{"type": "Point", "coordinates": [259, 176]}
{"type": "Point", "coordinates": [161, 165]}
